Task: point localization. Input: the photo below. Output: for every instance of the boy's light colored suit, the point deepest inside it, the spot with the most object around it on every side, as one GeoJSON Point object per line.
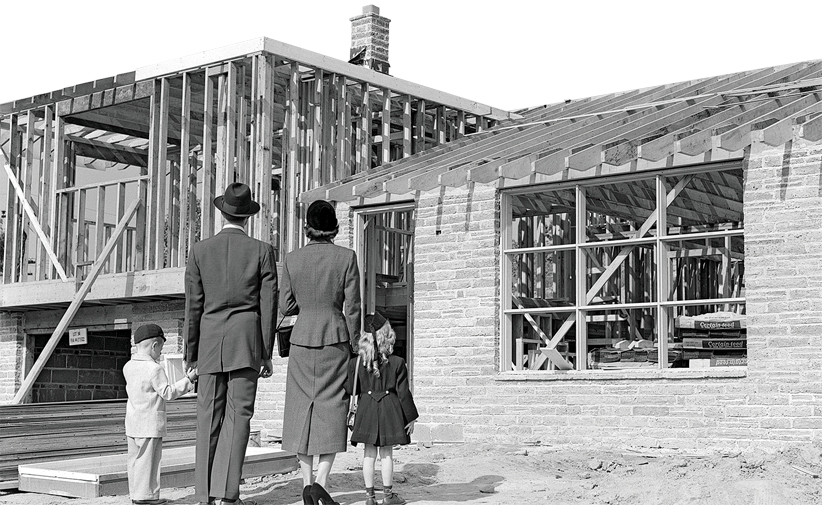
{"type": "Point", "coordinates": [148, 390]}
{"type": "Point", "coordinates": [231, 305]}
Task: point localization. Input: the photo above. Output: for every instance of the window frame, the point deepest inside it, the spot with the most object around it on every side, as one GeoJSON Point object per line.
{"type": "Point", "coordinates": [661, 241]}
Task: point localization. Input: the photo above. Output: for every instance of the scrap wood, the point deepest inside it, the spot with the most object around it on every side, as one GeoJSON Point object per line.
{"type": "Point", "coordinates": [805, 471]}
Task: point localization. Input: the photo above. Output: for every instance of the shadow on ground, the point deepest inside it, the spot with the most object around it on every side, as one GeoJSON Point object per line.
{"type": "Point", "coordinates": [416, 482]}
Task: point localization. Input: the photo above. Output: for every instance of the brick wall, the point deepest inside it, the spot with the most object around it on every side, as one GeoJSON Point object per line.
{"type": "Point", "coordinates": [92, 371]}
{"type": "Point", "coordinates": [12, 354]}
{"type": "Point", "coordinates": [783, 254]}
{"type": "Point", "coordinates": [462, 397]}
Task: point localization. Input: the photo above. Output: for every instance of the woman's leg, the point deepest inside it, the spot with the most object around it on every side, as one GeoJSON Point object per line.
{"type": "Point", "coordinates": [369, 457]}
{"type": "Point", "coordinates": [387, 459]}
{"type": "Point", "coordinates": [307, 468]}
{"type": "Point", "coordinates": [324, 467]}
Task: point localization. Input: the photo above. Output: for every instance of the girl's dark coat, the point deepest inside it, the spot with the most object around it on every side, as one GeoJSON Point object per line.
{"type": "Point", "coordinates": [385, 404]}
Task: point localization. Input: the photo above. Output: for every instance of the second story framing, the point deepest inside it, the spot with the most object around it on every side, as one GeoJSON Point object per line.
{"type": "Point", "coordinates": [282, 119]}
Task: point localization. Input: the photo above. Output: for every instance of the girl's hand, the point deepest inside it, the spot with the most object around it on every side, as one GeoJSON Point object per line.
{"type": "Point", "coordinates": [409, 428]}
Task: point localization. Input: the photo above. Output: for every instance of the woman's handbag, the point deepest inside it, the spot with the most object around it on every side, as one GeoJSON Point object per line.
{"type": "Point", "coordinates": [283, 338]}
{"type": "Point", "coordinates": [352, 405]}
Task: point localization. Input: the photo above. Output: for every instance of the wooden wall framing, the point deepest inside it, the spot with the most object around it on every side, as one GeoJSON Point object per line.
{"type": "Point", "coordinates": [278, 124]}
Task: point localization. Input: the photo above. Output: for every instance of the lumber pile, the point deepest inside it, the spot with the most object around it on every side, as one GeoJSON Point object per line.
{"type": "Point", "coordinates": [43, 432]}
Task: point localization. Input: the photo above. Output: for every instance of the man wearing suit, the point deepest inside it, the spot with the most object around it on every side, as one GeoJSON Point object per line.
{"type": "Point", "coordinates": [231, 302]}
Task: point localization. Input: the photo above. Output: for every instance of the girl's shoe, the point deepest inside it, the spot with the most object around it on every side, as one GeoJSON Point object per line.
{"type": "Point", "coordinates": [371, 500]}
{"type": "Point", "coordinates": [392, 499]}
{"type": "Point", "coordinates": [321, 496]}
{"type": "Point", "coordinates": [307, 496]}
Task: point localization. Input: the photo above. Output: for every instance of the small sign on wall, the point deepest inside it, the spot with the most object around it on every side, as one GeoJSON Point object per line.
{"type": "Point", "coordinates": [78, 337]}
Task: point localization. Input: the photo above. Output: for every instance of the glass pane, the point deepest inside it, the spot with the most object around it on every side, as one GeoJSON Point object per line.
{"type": "Point", "coordinates": [621, 274]}
{"type": "Point", "coordinates": [705, 269]}
{"type": "Point", "coordinates": [708, 201]}
{"type": "Point", "coordinates": [543, 219]}
{"type": "Point", "coordinates": [713, 336]}
{"type": "Point", "coordinates": [543, 279]}
{"type": "Point", "coordinates": [533, 332]}
{"type": "Point", "coordinates": [618, 210]}
{"type": "Point", "coordinates": [621, 338]}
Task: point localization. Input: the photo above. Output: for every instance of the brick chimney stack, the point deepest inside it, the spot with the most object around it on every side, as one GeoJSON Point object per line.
{"type": "Point", "coordinates": [369, 39]}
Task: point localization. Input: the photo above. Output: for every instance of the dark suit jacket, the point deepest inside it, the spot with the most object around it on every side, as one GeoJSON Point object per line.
{"type": "Point", "coordinates": [320, 281]}
{"type": "Point", "coordinates": [231, 302]}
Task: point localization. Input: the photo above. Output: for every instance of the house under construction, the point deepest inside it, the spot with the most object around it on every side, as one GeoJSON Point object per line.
{"type": "Point", "coordinates": [638, 267]}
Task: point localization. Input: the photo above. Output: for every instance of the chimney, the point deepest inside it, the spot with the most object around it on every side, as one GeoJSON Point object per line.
{"type": "Point", "coordinates": [369, 39]}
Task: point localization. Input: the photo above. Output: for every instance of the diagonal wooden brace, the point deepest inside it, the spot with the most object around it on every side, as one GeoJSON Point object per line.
{"type": "Point", "coordinates": [64, 323]}
{"type": "Point", "coordinates": [550, 351]}
{"type": "Point", "coordinates": [621, 257]}
{"type": "Point", "coordinates": [21, 195]}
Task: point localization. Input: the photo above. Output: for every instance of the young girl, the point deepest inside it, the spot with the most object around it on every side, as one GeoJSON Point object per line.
{"type": "Point", "coordinates": [385, 411]}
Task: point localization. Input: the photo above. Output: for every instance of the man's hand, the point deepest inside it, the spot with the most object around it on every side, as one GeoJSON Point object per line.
{"type": "Point", "coordinates": [266, 369]}
{"type": "Point", "coordinates": [409, 428]}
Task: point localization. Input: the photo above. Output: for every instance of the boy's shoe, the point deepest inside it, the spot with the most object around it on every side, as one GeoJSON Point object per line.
{"type": "Point", "coordinates": [371, 501]}
{"type": "Point", "coordinates": [393, 499]}
{"type": "Point", "coordinates": [156, 501]}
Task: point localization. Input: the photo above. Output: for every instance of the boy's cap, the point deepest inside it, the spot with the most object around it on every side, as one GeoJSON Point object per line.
{"type": "Point", "coordinates": [374, 322]}
{"type": "Point", "coordinates": [148, 331]}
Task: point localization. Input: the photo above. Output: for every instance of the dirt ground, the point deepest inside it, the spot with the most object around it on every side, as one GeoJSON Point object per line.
{"type": "Point", "coordinates": [494, 474]}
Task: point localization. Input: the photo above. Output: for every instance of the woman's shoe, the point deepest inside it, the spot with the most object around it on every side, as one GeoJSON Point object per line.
{"type": "Point", "coordinates": [307, 500]}
{"type": "Point", "coordinates": [392, 499]}
{"type": "Point", "coordinates": [321, 496]}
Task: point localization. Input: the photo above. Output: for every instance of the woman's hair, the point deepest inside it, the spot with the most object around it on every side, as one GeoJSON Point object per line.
{"type": "Point", "coordinates": [313, 234]}
{"type": "Point", "coordinates": [375, 348]}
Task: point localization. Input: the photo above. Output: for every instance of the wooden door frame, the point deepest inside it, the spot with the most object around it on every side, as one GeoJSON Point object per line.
{"type": "Point", "coordinates": [360, 216]}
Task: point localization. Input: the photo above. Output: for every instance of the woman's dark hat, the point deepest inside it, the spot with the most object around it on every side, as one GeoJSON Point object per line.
{"type": "Point", "coordinates": [321, 216]}
{"type": "Point", "coordinates": [374, 322]}
{"type": "Point", "coordinates": [148, 331]}
{"type": "Point", "coordinates": [237, 201]}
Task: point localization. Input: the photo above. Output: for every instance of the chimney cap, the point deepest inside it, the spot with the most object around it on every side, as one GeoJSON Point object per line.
{"type": "Point", "coordinates": [371, 9]}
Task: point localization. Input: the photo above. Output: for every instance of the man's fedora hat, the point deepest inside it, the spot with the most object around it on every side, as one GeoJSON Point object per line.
{"type": "Point", "coordinates": [237, 201]}
{"type": "Point", "coordinates": [321, 216]}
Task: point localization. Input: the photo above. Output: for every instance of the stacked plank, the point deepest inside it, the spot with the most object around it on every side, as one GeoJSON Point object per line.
{"type": "Point", "coordinates": [52, 431]}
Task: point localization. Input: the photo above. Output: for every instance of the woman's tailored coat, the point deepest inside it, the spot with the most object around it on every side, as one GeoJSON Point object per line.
{"type": "Point", "coordinates": [385, 403]}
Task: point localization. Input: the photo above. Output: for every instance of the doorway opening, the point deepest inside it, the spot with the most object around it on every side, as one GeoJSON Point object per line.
{"type": "Point", "coordinates": [385, 251]}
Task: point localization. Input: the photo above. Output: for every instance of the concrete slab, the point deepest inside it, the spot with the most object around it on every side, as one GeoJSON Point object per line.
{"type": "Point", "coordinates": [106, 475]}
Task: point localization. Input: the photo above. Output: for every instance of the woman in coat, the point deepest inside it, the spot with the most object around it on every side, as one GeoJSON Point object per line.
{"type": "Point", "coordinates": [321, 283]}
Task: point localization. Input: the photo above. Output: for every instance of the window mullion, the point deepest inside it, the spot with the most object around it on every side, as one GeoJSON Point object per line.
{"type": "Point", "coordinates": [663, 270]}
{"type": "Point", "coordinates": [581, 278]}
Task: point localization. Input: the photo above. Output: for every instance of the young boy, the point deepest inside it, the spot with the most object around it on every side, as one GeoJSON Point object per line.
{"type": "Point", "coordinates": [148, 389]}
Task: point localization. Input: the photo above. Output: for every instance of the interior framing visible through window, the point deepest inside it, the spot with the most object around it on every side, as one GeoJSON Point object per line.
{"type": "Point", "coordinates": [587, 297]}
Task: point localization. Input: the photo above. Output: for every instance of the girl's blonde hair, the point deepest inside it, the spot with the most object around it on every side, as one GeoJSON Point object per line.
{"type": "Point", "coordinates": [376, 347]}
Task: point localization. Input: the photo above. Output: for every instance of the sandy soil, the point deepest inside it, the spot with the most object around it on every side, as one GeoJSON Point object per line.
{"type": "Point", "coordinates": [493, 474]}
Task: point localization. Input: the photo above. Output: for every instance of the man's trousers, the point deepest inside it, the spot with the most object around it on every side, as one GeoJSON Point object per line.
{"type": "Point", "coordinates": [225, 405]}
